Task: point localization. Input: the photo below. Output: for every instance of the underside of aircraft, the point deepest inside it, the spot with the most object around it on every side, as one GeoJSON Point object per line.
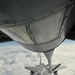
{"type": "Point", "coordinates": [38, 25]}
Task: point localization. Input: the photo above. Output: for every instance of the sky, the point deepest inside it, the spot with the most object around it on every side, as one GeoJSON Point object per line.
{"type": "Point", "coordinates": [68, 42]}
{"type": "Point", "coordinates": [13, 43]}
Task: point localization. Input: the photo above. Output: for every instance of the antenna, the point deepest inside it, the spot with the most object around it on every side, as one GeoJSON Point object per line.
{"type": "Point", "coordinates": [40, 59]}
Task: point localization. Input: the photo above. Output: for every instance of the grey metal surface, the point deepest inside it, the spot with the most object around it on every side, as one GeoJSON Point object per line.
{"type": "Point", "coordinates": [44, 47]}
{"type": "Point", "coordinates": [49, 29]}
{"type": "Point", "coordinates": [17, 11]}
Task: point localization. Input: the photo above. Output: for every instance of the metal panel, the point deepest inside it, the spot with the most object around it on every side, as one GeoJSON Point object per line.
{"type": "Point", "coordinates": [15, 11]}
{"type": "Point", "coordinates": [18, 34]}
{"type": "Point", "coordinates": [47, 29]}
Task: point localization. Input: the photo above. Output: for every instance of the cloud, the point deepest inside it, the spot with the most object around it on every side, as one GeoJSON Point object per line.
{"type": "Point", "coordinates": [13, 59]}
